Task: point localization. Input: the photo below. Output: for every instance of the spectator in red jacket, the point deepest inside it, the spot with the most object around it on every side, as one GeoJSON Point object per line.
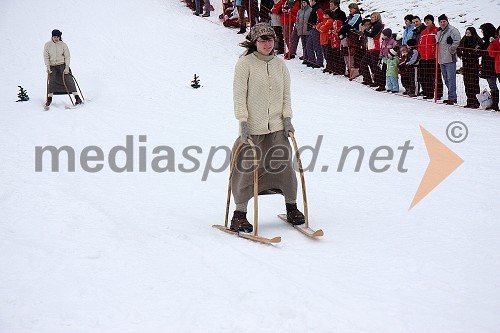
{"type": "Point", "coordinates": [277, 24]}
{"type": "Point", "coordinates": [288, 18]}
{"type": "Point", "coordinates": [324, 39]}
{"type": "Point", "coordinates": [428, 64]}
{"type": "Point", "coordinates": [494, 52]}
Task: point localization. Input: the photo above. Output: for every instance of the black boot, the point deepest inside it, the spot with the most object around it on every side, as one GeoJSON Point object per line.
{"type": "Point", "coordinates": [239, 222]}
{"type": "Point", "coordinates": [494, 98]}
{"type": "Point", "coordinates": [242, 30]}
{"type": "Point", "coordinates": [78, 100]}
{"type": "Point", "coordinates": [49, 100]}
{"type": "Point", "coordinates": [293, 215]}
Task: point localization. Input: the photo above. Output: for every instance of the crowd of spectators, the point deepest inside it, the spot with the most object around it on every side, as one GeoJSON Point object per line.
{"type": "Point", "coordinates": [422, 57]}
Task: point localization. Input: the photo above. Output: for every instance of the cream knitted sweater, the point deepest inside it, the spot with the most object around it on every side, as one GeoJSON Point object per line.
{"type": "Point", "coordinates": [56, 53]}
{"type": "Point", "coordinates": [261, 93]}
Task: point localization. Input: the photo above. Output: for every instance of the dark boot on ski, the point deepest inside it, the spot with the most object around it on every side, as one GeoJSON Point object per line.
{"type": "Point", "coordinates": [242, 30]}
{"type": "Point", "coordinates": [78, 100]}
{"type": "Point", "coordinates": [293, 215]}
{"type": "Point", "coordinates": [49, 100]}
{"type": "Point", "coordinates": [239, 222]}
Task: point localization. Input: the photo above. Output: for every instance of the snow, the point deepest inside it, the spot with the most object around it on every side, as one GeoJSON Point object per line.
{"type": "Point", "coordinates": [135, 251]}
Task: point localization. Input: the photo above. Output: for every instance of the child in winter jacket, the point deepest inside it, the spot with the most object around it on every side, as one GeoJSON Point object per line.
{"type": "Point", "coordinates": [324, 39]}
{"type": "Point", "coordinates": [339, 65]}
{"type": "Point", "coordinates": [391, 74]}
{"type": "Point", "coordinates": [408, 69]}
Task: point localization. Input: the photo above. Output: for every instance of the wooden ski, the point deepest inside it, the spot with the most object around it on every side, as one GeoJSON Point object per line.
{"type": "Point", "coordinates": [260, 239]}
{"type": "Point", "coordinates": [305, 230]}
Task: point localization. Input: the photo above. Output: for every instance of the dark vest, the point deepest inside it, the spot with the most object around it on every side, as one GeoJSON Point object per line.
{"type": "Point", "coordinates": [313, 17]}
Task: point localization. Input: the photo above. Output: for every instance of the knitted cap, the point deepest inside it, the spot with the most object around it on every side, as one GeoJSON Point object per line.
{"type": "Point", "coordinates": [387, 32]}
{"type": "Point", "coordinates": [411, 42]}
{"type": "Point", "coordinates": [261, 29]}
{"type": "Point", "coordinates": [442, 17]}
{"type": "Point", "coordinates": [56, 32]}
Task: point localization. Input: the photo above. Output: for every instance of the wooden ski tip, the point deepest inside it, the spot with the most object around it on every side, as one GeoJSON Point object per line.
{"type": "Point", "coordinates": [318, 233]}
{"type": "Point", "coordinates": [306, 231]}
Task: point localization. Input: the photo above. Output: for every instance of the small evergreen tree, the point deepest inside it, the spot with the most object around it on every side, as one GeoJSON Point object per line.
{"type": "Point", "coordinates": [23, 95]}
{"type": "Point", "coordinates": [196, 82]}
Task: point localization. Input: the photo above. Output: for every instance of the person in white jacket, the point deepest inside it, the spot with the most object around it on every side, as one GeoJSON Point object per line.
{"type": "Point", "coordinates": [262, 105]}
{"type": "Point", "coordinates": [57, 60]}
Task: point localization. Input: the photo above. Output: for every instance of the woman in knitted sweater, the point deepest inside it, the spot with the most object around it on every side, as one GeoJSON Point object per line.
{"type": "Point", "coordinates": [57, 60]}
{"type": "Point", "coordinates": [262, 105]}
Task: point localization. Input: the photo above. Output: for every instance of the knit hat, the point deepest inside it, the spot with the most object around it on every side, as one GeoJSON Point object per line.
{"type": "Point", "coordinates": [259, 30]}
{"type": "Point", "coordinates": [393, 52]}
{"type": "Point", "coordinates": [411, 42]}
{"type": "Point", "coordinates": [442, 17]}
{"type": "Point", "coordinates": [57, 33]}
{"type": "Point", "coordinates": [429, 17]}
{"type": "Point", "coordinates": [387, 32]}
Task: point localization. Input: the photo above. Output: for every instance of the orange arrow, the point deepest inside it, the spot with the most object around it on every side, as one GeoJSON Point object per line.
{"type": "Point", "coordinates": [443, 161]}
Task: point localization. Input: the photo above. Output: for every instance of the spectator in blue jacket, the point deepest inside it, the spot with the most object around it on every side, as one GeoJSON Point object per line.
{"type": "Point", "coordinates": [408, 29]}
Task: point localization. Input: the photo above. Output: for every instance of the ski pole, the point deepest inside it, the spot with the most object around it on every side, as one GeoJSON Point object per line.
{"type": "Point", "coordinates": [74, 78]}
{"type": "Point", "coordinates": [302, 179]}
{"type": "Point", "coordinates": [255, 188]}
{"type": "Point", "coordinates": [255, 185]}
{"type": "Point", "coordinates": [65, 86]}
{"type": "Point", "coordinates": [47, 91]}
{"type": "Point", "coordinates": [233, 163]}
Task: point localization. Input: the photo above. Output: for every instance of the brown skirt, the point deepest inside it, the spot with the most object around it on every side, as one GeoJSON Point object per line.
{"type": "Point", "coordinates": [56, 84]}
{"type": "Point", "coordinates": [275, 167]}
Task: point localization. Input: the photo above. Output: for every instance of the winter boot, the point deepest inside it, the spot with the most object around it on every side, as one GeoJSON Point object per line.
{"type": "Point", "coordinates": [239, 222]}
{"type": "Point", "coordinates": [242, 30]}
{"type": "Point", "coordinates": [78, 100]}
{"type": "Point", "coordinates": [293, 215]}
{"type": "Point", "coordinates": [494, 98]}
{"type": "Point", "coordinates": [49, 100]}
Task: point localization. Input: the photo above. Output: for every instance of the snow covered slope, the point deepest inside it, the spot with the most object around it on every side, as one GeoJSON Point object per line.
{"type": "Point", "coordinates": [135, 251]}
